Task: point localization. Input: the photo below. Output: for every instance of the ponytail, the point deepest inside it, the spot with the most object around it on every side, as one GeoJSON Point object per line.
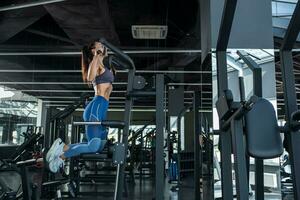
{"type": "Point", "coordinates": [86, 58]}
{"type": "Point", "coordinates": [111, 66]}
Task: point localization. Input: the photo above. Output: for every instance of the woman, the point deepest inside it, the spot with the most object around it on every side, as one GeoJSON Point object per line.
{"type": "Point", "coordinates": [101, 76]}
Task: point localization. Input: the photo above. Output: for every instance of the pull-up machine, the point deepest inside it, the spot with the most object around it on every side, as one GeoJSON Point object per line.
{"type": "Point", "coordinates": [120, 60]}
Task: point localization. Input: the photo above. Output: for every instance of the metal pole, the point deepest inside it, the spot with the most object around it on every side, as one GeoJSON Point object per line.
{"type": "Point", "coordinates": [290, 98]}
{"type": "Point", "coordinates": [197, 130]}
{"type": "Point", "coordinates": [225, 137]}
{"type": "Point", "coordinates": [118, 71]}
{"type": "Point", "coordinates": [25, 182]}
{"type": "Point", "coordinates": [241, 183]}
{"type": "Point", "coordinates": [75, 53]}
{"type": "Point", "coordinates": [257, 90]}
{"type": "Point", "coordinates": [259, 163]}
{"type": "Point", "coordinates": [27, 5]}
{"type": "Point", "coordinates": [124, 139]}
{"type": "Point", "coordinates": [5, 52]}
{"type": "Point", "coordinates": [159, 140]}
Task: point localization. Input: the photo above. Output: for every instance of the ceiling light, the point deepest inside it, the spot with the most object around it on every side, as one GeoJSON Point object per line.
{"type": "Point", "coordinates": [6, 94]}
{"type": "Point", "coordinates": [149, 31]}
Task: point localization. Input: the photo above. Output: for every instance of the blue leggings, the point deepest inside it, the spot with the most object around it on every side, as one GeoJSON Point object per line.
{"type": "Point", "coordinates": [96, 135]}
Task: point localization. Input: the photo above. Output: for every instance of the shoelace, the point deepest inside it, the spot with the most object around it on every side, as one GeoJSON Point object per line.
{"type": "Point", "coordinates": [61, 167]}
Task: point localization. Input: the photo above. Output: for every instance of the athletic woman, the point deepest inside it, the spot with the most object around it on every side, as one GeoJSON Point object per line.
{"type": "Point", "coordinates": [101, 77]}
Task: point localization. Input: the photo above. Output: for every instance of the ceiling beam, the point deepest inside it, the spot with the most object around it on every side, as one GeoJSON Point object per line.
{"type": "Point", "coordinates": [81, 83]}
{"type": "Point", "coordinates": [28, 4]}
{"type": "Point", "coordinates": [49, 35]}
{"type": "Point", "coordinates": [81, 91]}
{"type": "Point", "coordinates": [119, 71]}
{"type": "Point", "coordinates": [49, 83]}
{"type": "Point", "coordinates": [4, 51]}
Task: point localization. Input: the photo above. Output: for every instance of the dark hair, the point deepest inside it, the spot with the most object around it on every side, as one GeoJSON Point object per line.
{"type": "Point", "coordinates": [113, 69]}
{"type": "Point", "coordinates": [109, 63]}
{"type": "Point", "coordinates": [86, 58]}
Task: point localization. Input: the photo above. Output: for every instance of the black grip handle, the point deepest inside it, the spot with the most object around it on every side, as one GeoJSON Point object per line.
{"type": "Point", "coordinates": [27, 162]}
{"type": "Point", "coordinates": [296, 115]}
{"type": "Point", "coordinates": [118, 53]}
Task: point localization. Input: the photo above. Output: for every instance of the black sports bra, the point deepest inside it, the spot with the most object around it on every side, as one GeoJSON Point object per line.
{"type": "Point", "coordinates": [106, 77]}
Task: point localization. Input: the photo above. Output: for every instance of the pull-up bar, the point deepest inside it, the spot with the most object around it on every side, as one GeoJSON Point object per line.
{"type": "Point", "coordinates": [111, 124]}
{"type": "Point", "coordinates": [119, 54]}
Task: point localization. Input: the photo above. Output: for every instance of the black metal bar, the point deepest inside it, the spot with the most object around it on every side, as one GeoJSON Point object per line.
{"type": "Point", "coordinates": [48, 130]}
{"type": "Point", "coordinates": [142, 158]}
{"type": "Point", "coordinates": [292, 30]}
{"type": "Point", "coordinates": [28, 4]}
{"type": "Point", "coordinates": [118, 53]}
{"type": "Point", "coordinates": [242, 88]}
{"type": "Point", "coordinates": [225, 137]}
{"type": "Point", "coordinates": [108, 123]}
{"type": "Point", "coordinates": [290, 98]}
{"type": "Point", "coordinates": [124, 139]}
{"type": "Point", "coordinates": [222, 71]}
{"type": "Point", "coordinates": [259, 163]}
{"type": "Point", "coordinates": [48, 35]}
{"type": "Point", "coordinates": [242, 188]}
{"type": "Point", "coordinates": [236, 115]}
{"type": "Point", "coordinates": [118, 64]}
{"type": "Point", "coordinates": [25, 182]}
{"type": "Point", "coordinates": [74, 136]}
{"type": "Point", "coordinates": [243, 98]}
{"type": "Point", "coordinates": [226, 169]}
{"type": "Point", "coordinates": [256, 70]}
{"type": "Point", "coordinates": [179, 141]}
{"type": "Point", "coordinates": [159, 148]}
{"type": "Point", "coordinates": [197, 123]}
{"type": "Point", "coordinates": [142, 93]}
{"type": "Point", "coordinates": [257, 90]}
{"type": "Point", "coordinates": [259, 179]}
{"type": "Point", "coordinates": [226, 24]}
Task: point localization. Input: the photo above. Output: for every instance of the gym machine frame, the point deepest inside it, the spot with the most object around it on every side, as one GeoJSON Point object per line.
{"type": "Point", "coordinates": [290, 98]}
{"type": "Point", "coordinates": [126, 62]}
{"type": "Point", "coordinates": [291, 128]}
{"type": "Point", "coordinates": [225, 137]}
{"type": "Point", "coordinates": [197, 146]}
{"type": "Point", "coordinates": [257, 91]}
{"type": "Point", "coordinates": [232, 127]}
{"type": "Point", "coordinates": [159, 138]}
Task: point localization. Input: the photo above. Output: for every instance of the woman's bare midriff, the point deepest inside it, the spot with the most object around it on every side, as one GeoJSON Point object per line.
{"type": "Point", "coordinates": [103, 89]}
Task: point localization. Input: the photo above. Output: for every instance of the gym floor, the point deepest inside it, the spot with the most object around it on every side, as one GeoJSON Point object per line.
{"type": "Point", "coordinates": [144, 191]}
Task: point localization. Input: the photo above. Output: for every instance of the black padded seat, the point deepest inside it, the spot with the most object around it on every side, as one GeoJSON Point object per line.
{"type": "Point", "coordinates": [94, 157]}
{"type": "Point", "coordinates": [109, 123]}
{"type": "Point", "coordinates": [262, 131]}
{"type": "Point", "coordinates": [56, 183]}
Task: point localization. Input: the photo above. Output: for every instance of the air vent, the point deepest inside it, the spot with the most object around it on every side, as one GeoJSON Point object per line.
{"type": "Point", "coordinates": [149, 31]}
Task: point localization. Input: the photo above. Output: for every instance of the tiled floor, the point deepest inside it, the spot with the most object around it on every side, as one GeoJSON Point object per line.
{"type": "Point", "coordinates": [145, 191]}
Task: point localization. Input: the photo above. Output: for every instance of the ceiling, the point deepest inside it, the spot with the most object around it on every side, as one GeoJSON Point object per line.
{"type": "Point", "coordinates": [63, 27]}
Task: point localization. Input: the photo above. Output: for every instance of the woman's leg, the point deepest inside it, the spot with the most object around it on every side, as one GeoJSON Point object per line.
{"type": "Point", "coordinates": [92, 146]}
{"type": "Point", "coordinates": [98, 112]}
{"type": "Point", "coordinates": [96, 134]}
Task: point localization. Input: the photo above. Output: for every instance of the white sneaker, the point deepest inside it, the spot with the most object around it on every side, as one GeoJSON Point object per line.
{"type": "Point", "coordinates": [56, 164]}
{"type": "Point", "coordinates": [55, 150]}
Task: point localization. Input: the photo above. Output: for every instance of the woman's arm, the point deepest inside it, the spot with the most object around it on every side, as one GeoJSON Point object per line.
{"type": "Point", "coordinates": [94, 66]}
